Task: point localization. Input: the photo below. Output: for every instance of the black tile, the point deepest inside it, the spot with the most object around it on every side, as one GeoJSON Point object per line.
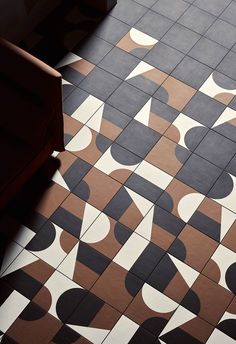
{"type": "Point", "coordinates": [74, 100]}
{"type": "Point", "coordinates": [138, 138]}
{"type": "Point", "coordinates": [222, 188]}
{"type": "Point", "coordinates": [180, 38]}
{"type": "Point", "coordinates": [204, 109]}
{"type": "Point", "coordinates": [199, 174]}
{"type": "Point", "coordinates": [76, 172]}
{"type": "Point", "coordinates": [93, 49]}
{"type": "Point", "coordinates": [67, 221]}
{"type": "Point", "coordinates": [164, 57]}
{"type": "Point", "coordinates": [214, 7]}
{"type": "Point", "coordinates": [167, 221]}
{"type": "Point", "coordinates": [208, 52]}
{"type": "Point", "coordinates": [154, 24]}
{"type": "Point", "coordinates": [197, 20]}
{"type": "Point", "coordinates": [111, 29]}
{"type": "Point", "coordinates": [222, 33]}
{"type": "Point", "coordinates": [172, 9]}
{"type": "Point", "coordinates": [142, 336]}
{"type": "Point", "coordinates": [128, 11]}
{"type": "Point", "coordinates": [119, 63]}
{"type": "Point", "coordinates": [228, 65]}
{"type": "Point", "coordinates": [143, 187]}
{"type": "Point", "coordinates": [128, 99]}
{"type": "Point", "coordinates": [100, 83]}
{"type": "Point", "coordinates": [192, 72]}
{"type": "Point", "coordinates": [217, 149]}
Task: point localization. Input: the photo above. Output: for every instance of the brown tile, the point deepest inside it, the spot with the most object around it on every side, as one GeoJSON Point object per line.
{"type": "Point", "coordinates": [207, 299]}
{"type": "Point", "coordinates": [163, 155]}
{"type": "Point", "coordinates": [71, 125]}
{"type": "Point", "coordinates": [230, 238]}
{"type": "Point", "coordinates": [193, 247]}
{"type": "Point", "coordinates": [82, 66]}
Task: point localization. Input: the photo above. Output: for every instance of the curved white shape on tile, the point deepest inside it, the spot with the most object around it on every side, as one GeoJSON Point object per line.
{"type": "Point", "coordinates": [157, 301]}
{"type": "Point", "coordinates": [98, 230]}
{"type": "Point", "coordinates": [80, 141]}
{"type": "Point", "coordinates": [142, 38]}
{"type": "Point", "coordinates": [189, 204]}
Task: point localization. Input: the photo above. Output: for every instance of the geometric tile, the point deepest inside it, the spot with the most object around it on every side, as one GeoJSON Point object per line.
{"type": "Point", "coordinates": [111, 30]}
{"type": "Point", "coordinates": [199, 174]}
{"type": "Point", "coordinates": [207, 299]}
{"type": "Point", "coordinates": [229, 13]}
{"type": "Point", "coordinates": [128, 11]}
{"type": "Point", "coordinates": [137, 43]}
{"type": "Point", "coordinates": [186, 132]}
{"type": "Point", "coordinates": [222, 33]}
{"type": "Point", "coordinates": [226, 124]}
{"type": "Point", "coordinates": [174, 93]}
{"type": "Point", "coordinates": [171, 9]}
{"type": "Point", "coordinates": [97, 188]}
{"type": "Point", "coordinates": [188, 248]}
{"type": "Point", "coordinates": [228, 65]}
{"type": "Point", "coordinates": [227, 322]}
{"type": "Point", "coordinates": [221, 268]}
{"type": "Point", "coordinates": [160, 227]}
{"type": "Point", "coordinates": [212, 6]}
{"type": "Point", "coordinates": [175, 156]}
{"type": "Point", "coordinates": [220, 337]}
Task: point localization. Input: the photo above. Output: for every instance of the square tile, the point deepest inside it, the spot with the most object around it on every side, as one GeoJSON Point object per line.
{"type": "Point", "coordinates": [146, 77]}
{"type": "Point", "coordinates": [231, 167]}
{"type": "Point", "coordinates": [225, 124]}
{"type": "Point", "coordinates": [170, 9]}
{"type": "Point", "coordinates": [149, 181]}
{"type": "Point", "coordinates": [88, 145]}
{"type": "Point", "coordinates": [97, 188]}
{"type": "Point", "coordinates": [192, 72]}
{"type": "Point", "coordinates": [139, 256]}
{"type": "Point", "coordinates": [199, 174]}
{"type": "Point", "coordinates": [208, 52]}
{"type": "Point", "coordinates": [222, 33]}
{"type": "Point", "coordinates": [175, 156]}
{"type": "Point", "coordinates": [196, 19]}
{"type": "Point", "coordinates": [160, 227]}
{"type": "Point", "coordinates": [180, 38]}
{"type": "Point", "coordinates": [221, 156]}
{"type": "Point", "coordinates": [188, 248]}
{"type": "Point", "coordinates": [71, 128]}
{"type": "Point", "coordinates": [128, 99]}
{"type": "Point", "coordinates": [137, 43]}
{"type": "Point", "coordinates": [186, 132]}
{"type": "Point", "coordinates": [212, 6]}
{"type": "Point", "coordinates": [108, 121]}
{"type": "Point", "coordinates": [93, 49]}
{"type": "Point", "coordinates": [174, 93]}
{"type": "Point", "coordinates": [100, 83]}
{"type": "Point", "coordinates": [229, 238]}
{"type": "Point", "coordinates": [223, 260]}
{"type": "Point", "coordinates": [207, 299]}
{"type": "Point", "coordinates": [229, 13]}
{"type": "Point", "coordinates": [128, 11]}
{"type": "Point", "coordinates": [119, 63]}
{"type": "Point", "coordinates": [138, 138]}
{"type": "Point", "coordinates": [154, 24]}
{"type": "Point", "coordinates": [228, 65]}
{"type": "Point", "coordinates": [147, 3]}
{"type": "Point", "coordinates": [164, 57]}
{"type": "Point", "coordinates": [204, 109]}
{"type": "Point", "coordinates": [118, 162]}
{"type": "Point", "coordinates": [172, 277]}
{"type": "Point", "coordinates": [113, 283]}
{"type": "Point", "coordinates": [128, 207]}
{"type": "Point", "coordinates": [232, 104]}
{"type": "Point", "coordinates": [111, 29]}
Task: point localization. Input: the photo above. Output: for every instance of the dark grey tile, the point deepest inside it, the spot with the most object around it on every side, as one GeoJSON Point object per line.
{"type": "Point", "coordinates": [234, 48]}
{"type": "Point", "coordinates": [172, 9]}
{"type": "Point", "coordinates": [138, 138]}
{"type": "Point", "coordinates": [233, 103]}
{"type": "Point", "coordinates": [128, 11]}
{"type": "Point", "coordinates": [222, 188]}
{"type": "Point", "coordinates": [181, 38]}
{"type": "Point", "coordinates": [74, 100]}
{"type": "Point", "coordinates": [199, 173]}
{"type": "Point", "coordinates": [204, 109]}
{"type": "Point", "coordinates": [215, 7]}
{"type": "Point", "coordinates": [93, 49]}
{"type": "Point", "coordinates": [208, 52]}
{"type": "Point", "coordinates": [147, 3]}
{"type": "Point", "coordinates": [217, 149]}
{"type": "Point", "coordinates": [164, 57]}
{"type": "Point", "coordinates": [228, 65]}
{"type": "Point", "coordinates": [119, 63]}
{"type": "Point", "coordinates": [229, 13]}
{"type": "Point", "coordinates": [111, 29]}
{"type": "Point", "coordinates": [192, 72]}
{"type": "Point", "coordinates": [197, 20]}
{"type": "Point", "coordinates": [222, 33]}
{"type": "Point", "coordinates": [100, 83]}
{"type": "Point", "coordinates": [128, 99]}
{"type": "Point", "coordinates": [231, 168]}
{"type": "Point", "coordinates": [154, 24]}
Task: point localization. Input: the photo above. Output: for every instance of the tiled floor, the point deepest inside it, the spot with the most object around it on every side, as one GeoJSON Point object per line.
{"type": "Point", "coordinates": [134, 239]}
